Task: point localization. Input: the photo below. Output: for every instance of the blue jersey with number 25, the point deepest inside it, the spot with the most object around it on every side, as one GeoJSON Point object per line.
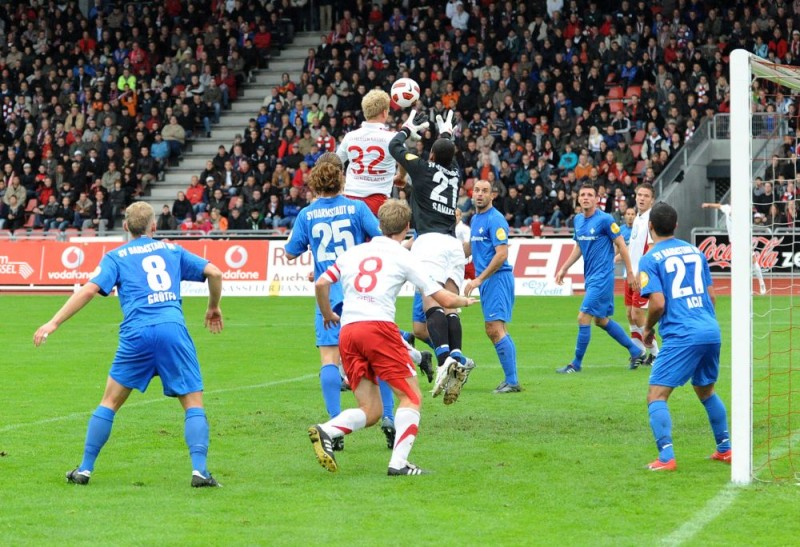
{"type": "Point", "coordinates": [148, 275]}
{"type": "Point", "coordinates": [680, 272]}
{"type": "Point", "coordinates": [329, 227]}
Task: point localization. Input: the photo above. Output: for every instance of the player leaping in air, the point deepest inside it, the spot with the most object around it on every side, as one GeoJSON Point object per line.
{"type": "Point", "coordinates": [434, 195]}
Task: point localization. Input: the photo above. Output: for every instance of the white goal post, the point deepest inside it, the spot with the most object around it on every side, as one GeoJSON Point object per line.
{"type": "Point", "coordinates": [741, 280]}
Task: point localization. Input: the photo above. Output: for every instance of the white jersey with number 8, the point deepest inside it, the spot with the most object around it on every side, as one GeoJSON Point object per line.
{"type": "Point", "coordinates": [372, 275]}
{"type": "Point", "coordinates": [371, 169]}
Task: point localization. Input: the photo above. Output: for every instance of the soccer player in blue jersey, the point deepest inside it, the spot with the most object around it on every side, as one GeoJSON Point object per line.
{"type": "Point", "coordinates": [674, 275]}
{"type": "Point", "coordinates": [329, 226]}
{"type": "Point", "coordinates": [153, 339]}
{"type": "Point", "coordinates": [597, 236]}
{"type": "Point", "coordinates": [489, 248]}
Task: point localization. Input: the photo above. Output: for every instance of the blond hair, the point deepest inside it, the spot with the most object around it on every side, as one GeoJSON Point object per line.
{"type": "Point", "coordinates": [326, 179]}
{"type": "Point", "coordinates": [374, 103]}
{"type": "Point", "coordinates": [394, 216]}
{"type": "Point", "coordinates": [139, 217]}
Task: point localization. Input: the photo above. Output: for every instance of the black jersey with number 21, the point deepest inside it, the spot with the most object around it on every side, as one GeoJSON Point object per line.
{"type": "Point", "coordinates": [435, 193]}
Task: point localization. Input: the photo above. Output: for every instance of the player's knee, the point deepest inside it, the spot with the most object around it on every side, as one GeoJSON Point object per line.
{"type": "Point", "coordinates": [495, 331]}
{"type": "Point", "coordinates": [373, 411]}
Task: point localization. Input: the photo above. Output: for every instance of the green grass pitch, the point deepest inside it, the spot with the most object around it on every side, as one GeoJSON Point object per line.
{"type": "Point", "coordinates": [561, 463]}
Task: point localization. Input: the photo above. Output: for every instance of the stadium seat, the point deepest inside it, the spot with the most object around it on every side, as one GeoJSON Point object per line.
{"type": "Point", "coordinates": [636, 149]}
{"type": "Point", "coordinates": [638, 138]}
{"type": "Point", "coordinates": [71, 232]}
{"type": "Point", "coordinates": [88, 232]}
{"type": "Point", "coordinates": [31, 205]}
{"type": "Point", "coordinates": [616, 106]}
{"type": "Point", "coordinates": [616, 92]}
{"type": "Point", "coordinates": [633, 90]}
{"type": "Point", "coordinates": [639, 169]}
{"type": "Point", "coordinates": [29, 221]}
{"type": "Point", "coordinates": [611, 78]}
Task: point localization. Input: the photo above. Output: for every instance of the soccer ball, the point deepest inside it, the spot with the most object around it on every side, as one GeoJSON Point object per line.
{"type": "Point", "coordinates": [405, 92]}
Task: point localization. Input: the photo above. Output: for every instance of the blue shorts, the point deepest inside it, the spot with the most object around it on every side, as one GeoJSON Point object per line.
{"type": "Point", "coordinates": [327, 337]}
{"type": "Point", "coordinates": [497, 297]}
{"type": "Point", "coordinates": [164, 350]}
{"type": "Point", "coordinates": [599, 301]}
{"type": "Point", "coordinates": [677, 363]}
{"type": "Point", "coordinates": [418, 313]}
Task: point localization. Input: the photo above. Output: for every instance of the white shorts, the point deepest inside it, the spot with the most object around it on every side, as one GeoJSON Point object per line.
{"type": "Point", "coordinates": [442, 255]}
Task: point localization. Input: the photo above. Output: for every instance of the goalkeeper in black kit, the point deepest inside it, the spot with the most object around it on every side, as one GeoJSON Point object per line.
{"type": "Point", "coordinates": [435, 183]}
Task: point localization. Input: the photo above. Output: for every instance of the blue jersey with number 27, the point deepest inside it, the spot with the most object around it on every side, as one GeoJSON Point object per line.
{"type": "Point", "coordinates": [148, 275]}
{"type": "Point", "coordinates": [680, 272]}
{"type": "Point", "coordinates": [329, 227]}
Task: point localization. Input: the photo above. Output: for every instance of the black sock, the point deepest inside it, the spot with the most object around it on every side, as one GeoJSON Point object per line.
{"type": "Point", "coordinates": [438, 330]}
{"type": "Point", "coordinates": [454, 331]}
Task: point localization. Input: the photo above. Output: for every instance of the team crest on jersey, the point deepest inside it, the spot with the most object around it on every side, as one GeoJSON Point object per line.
{"type": "Point", "coordinates": [411, 157]}
{"type": "Point", "coordinates": [614, 228]}
{"type": "Point", "coordinates": [644, 279]}
{"type": "Point", "coordinates": [500, 234]}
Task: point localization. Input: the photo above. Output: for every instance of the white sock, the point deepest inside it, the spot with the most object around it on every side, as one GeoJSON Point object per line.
{"type": "Point", "coordinates": [406, 422]}
{"type": "Point", "coordinates": [636, 336]}
{"type": "Point", "coordinates": [654, 348]}
{"type": "Point", "coordinates": [759, 274]}
{"type": "Point", "coordinates": [348, 421]}
{"type": "Point", "coordinates": [413, 352]}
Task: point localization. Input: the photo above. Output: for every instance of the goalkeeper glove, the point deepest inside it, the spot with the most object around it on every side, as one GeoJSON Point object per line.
{"type": "Point", "coordinates": [414, 124]}
{"type": "Point", "coordinates": [445, 125]}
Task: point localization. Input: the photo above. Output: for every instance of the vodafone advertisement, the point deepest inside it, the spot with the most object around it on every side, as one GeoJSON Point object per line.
{"type": "Point", "coordinates": [259, 267]}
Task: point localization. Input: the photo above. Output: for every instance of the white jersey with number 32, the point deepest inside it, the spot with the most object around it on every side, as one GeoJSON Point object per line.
{"type": "Point", "coordinates": [371, 169]}
{"type": "Point", "coordinates": [372, 275]}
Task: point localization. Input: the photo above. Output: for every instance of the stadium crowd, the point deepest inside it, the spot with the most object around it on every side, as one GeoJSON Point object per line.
{"type": "Point", "coordinates": [546, 96]}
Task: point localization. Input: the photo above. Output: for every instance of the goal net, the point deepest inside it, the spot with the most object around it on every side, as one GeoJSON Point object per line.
{"type": "Point", "coordinates": [765, 141]}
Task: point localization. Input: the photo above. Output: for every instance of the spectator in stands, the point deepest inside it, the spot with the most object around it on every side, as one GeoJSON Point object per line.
{"type": "Point", "coordinates": [166, 220]}
{"type": "Point", "coordinates": [174, 135]}
{"type": "Point", "coordinates": [195, 194]}
{"type": "Point", "coordinates": [181, 207]}
{"type": "Point", "coordinates": [101, 218]}
{"type": "Point", "coordinates": [236, 221]}
{"type": "Point", "coordinates": [14, 215]}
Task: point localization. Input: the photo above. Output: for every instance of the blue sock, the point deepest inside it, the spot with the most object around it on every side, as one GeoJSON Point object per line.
{"type": "Point", "coordinates": [195, 432]}
{"type": "Point", "coordinates": [507, 353]}
{"type": "Point", "coordinates": [442, 353]}
{"type": "Point", "coordinates": [387, 398]}
{"type": "Point", "coordinates": [661, 424]}
{"type": "Point", "coordinates": [584, 335]}
{"type": "Point", "coordinates": [96, 436]}
{"type": "Point", "coordinates": [718, 418]}
{"type": "Point", "coordinates": [617, 333]}
{"type": "Point", "coordinates": [331, 383]}
{"type": "Point", "coordinates": [406, 335]}
{"type": "Point", "coordinates": [458, 356]}
{"type": "Point", "coordinates": [428, 341]}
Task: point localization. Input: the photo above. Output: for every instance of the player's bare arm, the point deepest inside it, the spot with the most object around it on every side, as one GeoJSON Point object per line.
{"type": "Point", "coordinates": [622, 250]}
{"type": "Point", "coordinates": [213, 320]}
{"type": "Point", "coordinates": [322, 290]}
{"type": "Point", "coordinates": [710, 206]}
{"type": "Point", "coordinates": [499, 258]}
{"type": "Point", "coordinates": [573, 258]}
{"type": "Point", "coordinates": [72, 306]}
{"type": "Point", "coordinates": [451, 300]}
{"type": "Point", "coordinates": [654, 312]}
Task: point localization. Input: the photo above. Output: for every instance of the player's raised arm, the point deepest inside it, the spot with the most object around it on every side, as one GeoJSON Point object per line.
{"type": "Point", "coordinates": [72, 306]}
{"type": "Point", "coordinates": [213, 321]}
{"type": "Point", "coordinates": [710, 206]}
{"type": "Point", "coordinates": [447, 299]}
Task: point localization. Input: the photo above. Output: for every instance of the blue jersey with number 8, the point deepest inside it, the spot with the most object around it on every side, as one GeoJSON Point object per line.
{"type": "Point", "coordinates": [680, 272]}
{"type": "Point", "coordinates": [148, 275]}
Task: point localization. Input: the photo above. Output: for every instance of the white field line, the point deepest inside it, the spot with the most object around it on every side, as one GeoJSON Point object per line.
{"type": "Point", "coordinates": [65, 417]}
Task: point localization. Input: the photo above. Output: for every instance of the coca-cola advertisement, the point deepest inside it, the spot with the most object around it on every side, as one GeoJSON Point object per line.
{"type": "Point", "coordinates": [778, 253]}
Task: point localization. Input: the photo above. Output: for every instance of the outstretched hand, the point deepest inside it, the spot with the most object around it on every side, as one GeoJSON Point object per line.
{"type": "Point", "coordinates": [471, 285]}
{"type": "Point", "coordinates": [414, 124]}
{"type": "Point", "coordinates": [445, 125]}
{"type": "Point", "coordinates": [214, 321]}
